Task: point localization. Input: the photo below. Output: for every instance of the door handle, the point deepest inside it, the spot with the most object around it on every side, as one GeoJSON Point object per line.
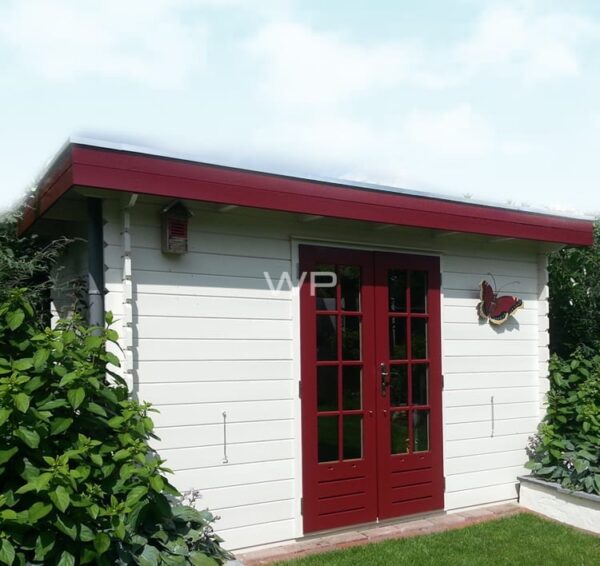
{"type": "Point", "coordinates": [383, 372]}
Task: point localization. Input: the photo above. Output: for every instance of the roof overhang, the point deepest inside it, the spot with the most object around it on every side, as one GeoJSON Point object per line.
{"type": "Point", "coordinates": [126, 170]}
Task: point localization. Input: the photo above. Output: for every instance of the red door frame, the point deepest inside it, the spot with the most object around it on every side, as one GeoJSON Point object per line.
{"type": "Point", "coordinates": [359, 491]}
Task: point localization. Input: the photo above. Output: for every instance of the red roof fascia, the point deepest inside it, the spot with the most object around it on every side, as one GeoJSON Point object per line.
{"type": "Point", "coordinates": [56, 182]}
{"type": "Point", "coordinates": [174, 178]}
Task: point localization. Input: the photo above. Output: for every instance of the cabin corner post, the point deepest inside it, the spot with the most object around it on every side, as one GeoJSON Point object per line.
{"type": "Point", "coordinates": [543, 332]}
{"type": "Point", "coordinates": [127, 336]}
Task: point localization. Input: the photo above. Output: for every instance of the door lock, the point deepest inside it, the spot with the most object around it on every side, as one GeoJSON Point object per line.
{"type": "Point", "coordinates": [383, 372]}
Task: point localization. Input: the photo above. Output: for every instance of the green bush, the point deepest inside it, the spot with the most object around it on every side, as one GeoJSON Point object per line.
{"type": "Point", "coordinates": [78, 482]}
{"type": "Point", "coordinates": [27, 262]}
{"type": "Point", "coordinates": [567, 448]}
{"type": "Point", "coordinates": [575, 297]}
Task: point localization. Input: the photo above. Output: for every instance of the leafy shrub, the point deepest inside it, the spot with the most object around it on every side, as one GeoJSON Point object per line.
{"type": "Point", "coordinates": [567, 448]}
{"type": "Point", "coordinates": [575, 297]}
{"type": "Point", "coordinates": [27, 262]}
{"type": "Point", "coordinates": [78, 482]}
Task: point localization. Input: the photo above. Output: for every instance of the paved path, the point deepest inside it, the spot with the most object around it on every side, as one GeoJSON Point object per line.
{"type": "Point", "coordinates": [405, 528]}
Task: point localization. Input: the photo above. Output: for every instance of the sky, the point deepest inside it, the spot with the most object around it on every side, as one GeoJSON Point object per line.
{"type": "Point", "coordinates": [488, 100]}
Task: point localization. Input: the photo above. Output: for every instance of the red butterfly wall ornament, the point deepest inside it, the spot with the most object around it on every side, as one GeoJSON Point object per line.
{"type": "Point", "coordinates": [494, 308]}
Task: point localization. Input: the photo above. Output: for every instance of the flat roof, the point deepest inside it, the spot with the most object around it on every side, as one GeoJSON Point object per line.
{"type": "Point", "coordinates": [85, 162]}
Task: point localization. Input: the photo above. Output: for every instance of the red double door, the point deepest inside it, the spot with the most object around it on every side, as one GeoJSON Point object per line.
{"type": "Point", "coordinates": [371, 386]}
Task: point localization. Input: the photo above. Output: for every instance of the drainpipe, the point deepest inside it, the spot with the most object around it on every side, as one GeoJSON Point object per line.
{"type": "Point", "coordinates": [95, 263]}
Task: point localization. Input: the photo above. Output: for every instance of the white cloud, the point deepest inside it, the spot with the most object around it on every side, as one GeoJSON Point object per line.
{"type": "Point", "coordinates": [305, 67]}
{"type": "Point", "coordinates": [458, 131]}
{"type": "Point", "coordinates": [306, 76]}
{"type": "Point", "coordinates": [537, 45]}
{"type": "Point", "coordinates": [420, 113]}
{"type": "Point", "coordinates": [147, 41]}
{"type": "Point", "coordinates": [319, 144]}
{"type": "Point", "coordinates": [427, 150]}
{"type": "Point", "coordinates": [397, 152]}
{"type": "Point", "coordinates": [300, 66]}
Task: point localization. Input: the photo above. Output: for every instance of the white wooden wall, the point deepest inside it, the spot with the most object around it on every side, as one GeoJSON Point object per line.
{"type": "Point", "coordinates": [492, 375]}
{"type": "Point", "coordinates": [207, 336]}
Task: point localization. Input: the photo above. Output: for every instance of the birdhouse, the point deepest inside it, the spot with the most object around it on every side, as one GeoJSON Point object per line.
{"type": "Point", "coordinates": [174, 226]}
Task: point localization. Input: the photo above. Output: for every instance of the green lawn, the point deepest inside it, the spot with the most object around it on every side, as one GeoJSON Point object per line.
{"type": "Point", "coordinates": [519, 540]}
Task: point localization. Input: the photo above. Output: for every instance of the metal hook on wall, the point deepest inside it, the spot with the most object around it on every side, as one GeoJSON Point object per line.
{"type": "Point", "coordinates": [225, 459]}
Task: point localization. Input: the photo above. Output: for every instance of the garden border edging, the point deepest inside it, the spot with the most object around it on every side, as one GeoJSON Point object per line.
{"type": "Point", "coordinates": [575, 508]}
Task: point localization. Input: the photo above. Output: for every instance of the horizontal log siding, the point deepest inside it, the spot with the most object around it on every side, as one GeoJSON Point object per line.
{"type": "Point", "coordinates": [209, 336]}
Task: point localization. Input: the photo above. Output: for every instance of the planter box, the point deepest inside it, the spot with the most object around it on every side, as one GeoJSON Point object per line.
{"type": "Point", "coordinates": [575, 508]}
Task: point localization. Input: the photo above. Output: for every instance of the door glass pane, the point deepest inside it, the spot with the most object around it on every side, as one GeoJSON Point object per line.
{"type": "Point", "coordinates": [397, 338]}
{"type": "Point", "coordinates": [418, 291]}
{"type": "Point", "coordinates": [326, 337]}
{"type": "Point", "coordinates": [353, 437]}
{"type": "Point", "coordinates": [351, 338]}
{"type": "Point", "coordinates": [399, 432]}
{"type": "Point", "coordinates": [352, 378]}
{"type": "Point", "coordinates": [327, 388]}
{"type": "Point", "coordinates": [399, 386]}
{"type": "Point", "coordinates": [419, 338]}
{"type": "Point", "coordinates": [419, 384]}
{"type": "Point", "coordinates": [350, 287]}
{"type": "Point", "coordinates": [420, 431]}
{"type": "Point", "coordinates": [328, 439]}
{"type": "Point", "coordinates": [326, 296]}
{"type": "Point", "coordinates": [397, 290]}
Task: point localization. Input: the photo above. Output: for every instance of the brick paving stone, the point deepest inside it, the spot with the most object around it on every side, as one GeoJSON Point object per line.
{"type": "Point", "coordinates": [476, 514]}
{"type": "Point", "coordinates": [265, 555]}
{"type": "Point", "coordinates": [503, 509]}
{"type": "Point", "coordinates": [417, 525]}
{"type": "Point", "coordinates": [343, 538]}
{"type": "Point", "coordinates": [449, 520]}
{"type": "Point", "coordinates": [326, 543]}
{"type": "Point", "coordinates": [303, 545]}
{"type": "Point", "coordinates": [388, 531]}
